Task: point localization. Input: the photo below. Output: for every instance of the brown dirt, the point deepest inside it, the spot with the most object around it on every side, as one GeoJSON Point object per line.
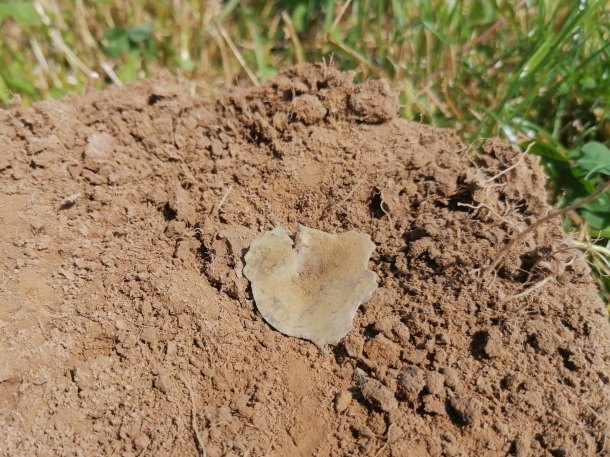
{"type": "Point", "coordinates": [127, 327]}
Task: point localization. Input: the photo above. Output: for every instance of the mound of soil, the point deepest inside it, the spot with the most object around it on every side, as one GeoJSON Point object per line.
{"type": "Point", "coordinates": [127, 327]}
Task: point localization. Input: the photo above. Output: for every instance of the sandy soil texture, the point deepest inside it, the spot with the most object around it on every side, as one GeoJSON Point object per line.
{"type": "Point", "coordinates": [127, 327]}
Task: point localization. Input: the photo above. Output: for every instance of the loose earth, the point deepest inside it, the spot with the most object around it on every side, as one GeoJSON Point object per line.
{"type": "Point", "coordinates": [128, 328]}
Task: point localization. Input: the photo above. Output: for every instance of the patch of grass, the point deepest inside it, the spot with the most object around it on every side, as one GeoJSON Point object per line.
{"type": "Point", "coordinates": [532, 71]}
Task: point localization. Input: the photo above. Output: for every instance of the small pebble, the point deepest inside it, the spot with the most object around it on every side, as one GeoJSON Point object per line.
{"type": "Point", "coordinates": [163, 382]}
{"type": "Point", "coordinates": [342, 400]}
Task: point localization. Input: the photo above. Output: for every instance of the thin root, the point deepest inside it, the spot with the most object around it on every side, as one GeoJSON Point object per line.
{"type": "Point", "coordinates": [216, 210]}
{"type": "Point", "coordinates": [551, 215]}
{"type": "Point", "coordinates": [529, 290]}
{"type": "Point", "coordinates": [506, 170]}
{"type": "Point", "coordinates": [198, 441]}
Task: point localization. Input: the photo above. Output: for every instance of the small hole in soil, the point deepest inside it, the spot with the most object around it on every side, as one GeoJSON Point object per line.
{"type": "Point", "coordinates": [512, 450]}
{"type": "Point", "coordinates": [527, 263]}
{"type": "Point", "coordinates": [168, 213]}
{"type": "Point", "coordinates": [153, 99]}
{"type": "Point", "coordinates": [478, 343]}
{"type": "Point", "coordinates": [569, 382]}
{"type": "Point", "coordinates": [464, 196]}
{"type": "Point", "coordinates": [216, 284]}
{"type": "Point", "coordinates": [370, 331]}
{"type": "Point", "coordinates": [565, 355]}
{"type": "Point", "coordinates": [558, 453]}
{"type": "Point", "coordinates": [521, 206]}
{"type": "Point", "coordinates": [322, 85]}
{"type": "Point", "coordinates": [505, 382]}
{"type": "Point", "coordinates": [529, 260]}
{"type": "Point", "coordinates": [458, 201]}
{"type": "Point", "coordinates": [204, 253]}
{"type": "Point", "coordinates": [567, 324]}
{"type": "Point", "coordinates": [375, 205]}
{"type": "Point", "coordinates": [67, 205]}
{"type": "Point", "coordinates": [532, 340]}
{"type": "Point", "coordinates": [340, 353]}
{"type": "Point", "coordinates": [430, 263]}
{"type": "Point", "coordinates": [364, 367]}
{"type": "Point", "coordinates": [415, 234]}
{"type": "Point", "coordinates": [601, 445]}
{"type": "Point", "coordinates": [257, 137]}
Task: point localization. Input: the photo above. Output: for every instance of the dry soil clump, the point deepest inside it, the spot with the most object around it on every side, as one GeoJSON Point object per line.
{"type": "Point", "coordinates": [127, 326]}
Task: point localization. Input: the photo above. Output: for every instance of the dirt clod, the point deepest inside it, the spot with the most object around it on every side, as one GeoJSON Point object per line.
{"type": "Point", "coordinates": [374, 102]}
{"type": "Point", "coordinates": [411, 382]}
{"type": "Point", "coordinates": [308, 109]}
{"type": "Point", "coordinates": [342, 400]}
{"type": "Point", "coordinates": [375, 393]}
{"type": "Point", "coordinates": [466, 409]}
{"type": "Point", "coordinates": [128, 328]}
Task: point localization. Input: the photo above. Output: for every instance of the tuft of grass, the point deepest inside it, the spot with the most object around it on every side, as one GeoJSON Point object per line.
{"type": "Point", "coordinates": [535, 72]}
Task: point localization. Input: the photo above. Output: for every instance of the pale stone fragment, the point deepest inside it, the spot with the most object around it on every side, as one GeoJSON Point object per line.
{"type": "Point", "coordinates": [313, 291]}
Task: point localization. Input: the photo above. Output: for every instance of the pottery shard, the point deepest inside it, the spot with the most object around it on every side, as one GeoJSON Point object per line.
{"type": "Point", "coordinates": [313, 290]}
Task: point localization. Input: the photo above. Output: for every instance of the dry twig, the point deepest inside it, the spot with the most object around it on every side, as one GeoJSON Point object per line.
{"type": "Point", "coordinates": [236, 53]}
